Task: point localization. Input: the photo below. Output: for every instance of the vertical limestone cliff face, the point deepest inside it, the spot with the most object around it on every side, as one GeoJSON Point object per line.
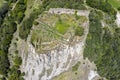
{"type": "Point", "coordinates": [46, 66]}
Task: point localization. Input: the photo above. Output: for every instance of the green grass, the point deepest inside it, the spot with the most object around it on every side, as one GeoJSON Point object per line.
{"type": "Point", "coordinates": [1, 2]}
{"type": "Point", "coordinates": [114, 3]}
{"type": "Point", "coordinates": [76, 66]}
{"type": "Point", "coordinates": [62, 27]}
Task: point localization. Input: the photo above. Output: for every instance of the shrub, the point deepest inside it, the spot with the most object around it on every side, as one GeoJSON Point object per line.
{"type": "Point", "coordinates": [79, 31]}
{"type": "Point", "coordinates": [17, 61]}
{"type": "Point", "coordinates": [118, 8]}
{"type": "Point", "coordinates": [76, 66]}
{"type": "Point", "coordinates": [36, 23]}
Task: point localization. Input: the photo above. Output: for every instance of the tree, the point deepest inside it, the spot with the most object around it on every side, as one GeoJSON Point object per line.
{"type": "Point", "coordinates": [79, 31]}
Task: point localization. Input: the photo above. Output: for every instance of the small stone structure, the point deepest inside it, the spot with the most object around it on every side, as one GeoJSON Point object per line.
{"type": "Point", "coordinates": [68, 11]}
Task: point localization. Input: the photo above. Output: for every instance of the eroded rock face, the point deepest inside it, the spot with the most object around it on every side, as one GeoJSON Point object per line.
{"type": "Point", "coordinates": [39, 66]}
{"type": "Point", "coordinates": [46, 66]}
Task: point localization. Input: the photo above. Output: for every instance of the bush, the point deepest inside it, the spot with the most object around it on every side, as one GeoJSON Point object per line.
{"type": "Point", "coordinates": [3, 12]}
{"type": "Point", "coordinates": [4, 9]}
{"type": "Point", "coordinates": [76, 66]}
{"type": "Point", "coordinates": [36, 23]}
{"type": "Point", "coordinates": [15, 74]}
{"type": "Point", "coordinates": [4, 63]}
{"type": "Point", "coordinates": [17, 61]}
{"type": "Point", "coordinates": [79, 31]}
{"type": "Point", "coordinates": [118, 8]}
{"type": "Point", "coordinates": [72, 4]}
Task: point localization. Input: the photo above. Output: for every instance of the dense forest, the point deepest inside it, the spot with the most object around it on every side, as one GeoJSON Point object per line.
{"type": "Point", "coordinates": [8, 26]}
{"type": "Point", "coordinates": [72, 4]}
{"type": "Point", "coordinates": [102, 44]}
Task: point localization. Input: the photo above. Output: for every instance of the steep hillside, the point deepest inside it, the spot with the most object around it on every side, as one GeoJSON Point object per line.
{"type": "Point", "coordinates": [59, 40]}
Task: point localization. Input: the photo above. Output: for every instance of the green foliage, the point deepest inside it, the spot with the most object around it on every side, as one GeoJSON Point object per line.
{"type": "Point", "coordinates": [72, 4]}
{"type": "Point", "coordinates": [93, 41]}
{"type": "Point", "coordinates": [102, 46]}
{"type": "Point", "coordinates": [8, 27]}
{"type": "Point", "coordinates": [62, 27]}
{"type": "Point", "coordinates": [79, 31]}
{"type": "Point", "coordinates": [114, 3]}
{"type": "Point", "coordinates": [11, 1]}
{"type": "Point", "coordinates": [5, 39]}
{"type": "Point", "coordinates": [118, 8]}
{"type": "Point", "coordinates": [3, 11]}
{"type": "Point", "coordinates": [18, 12]}
{"type": "Point", "coordinates": [108, 63]}
{"type": "Point", "coordinates": [76, 66]}
{"type": "Point", "coordinates": [24, 30]}
{"type": "Point", "coordinates": [17, 61]}
{"type": "Point", "coordinates": [36, 23]}
{"type": "Point", "coordinates": [27, 23]}
{"type": "Point", "coordinates": [102, 5]}
{"type": "Point", "coordinates": [15, 74]}
{"type": "Point", "coordinates": [3, 78]}
{"type": "Point", "coordinates": [4, 63]}
{"type": "Point", "coordinates": [46, 4]}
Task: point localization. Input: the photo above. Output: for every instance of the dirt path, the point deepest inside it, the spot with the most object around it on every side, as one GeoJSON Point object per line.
{"type": "Point", "coordinates": [15, 5]}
